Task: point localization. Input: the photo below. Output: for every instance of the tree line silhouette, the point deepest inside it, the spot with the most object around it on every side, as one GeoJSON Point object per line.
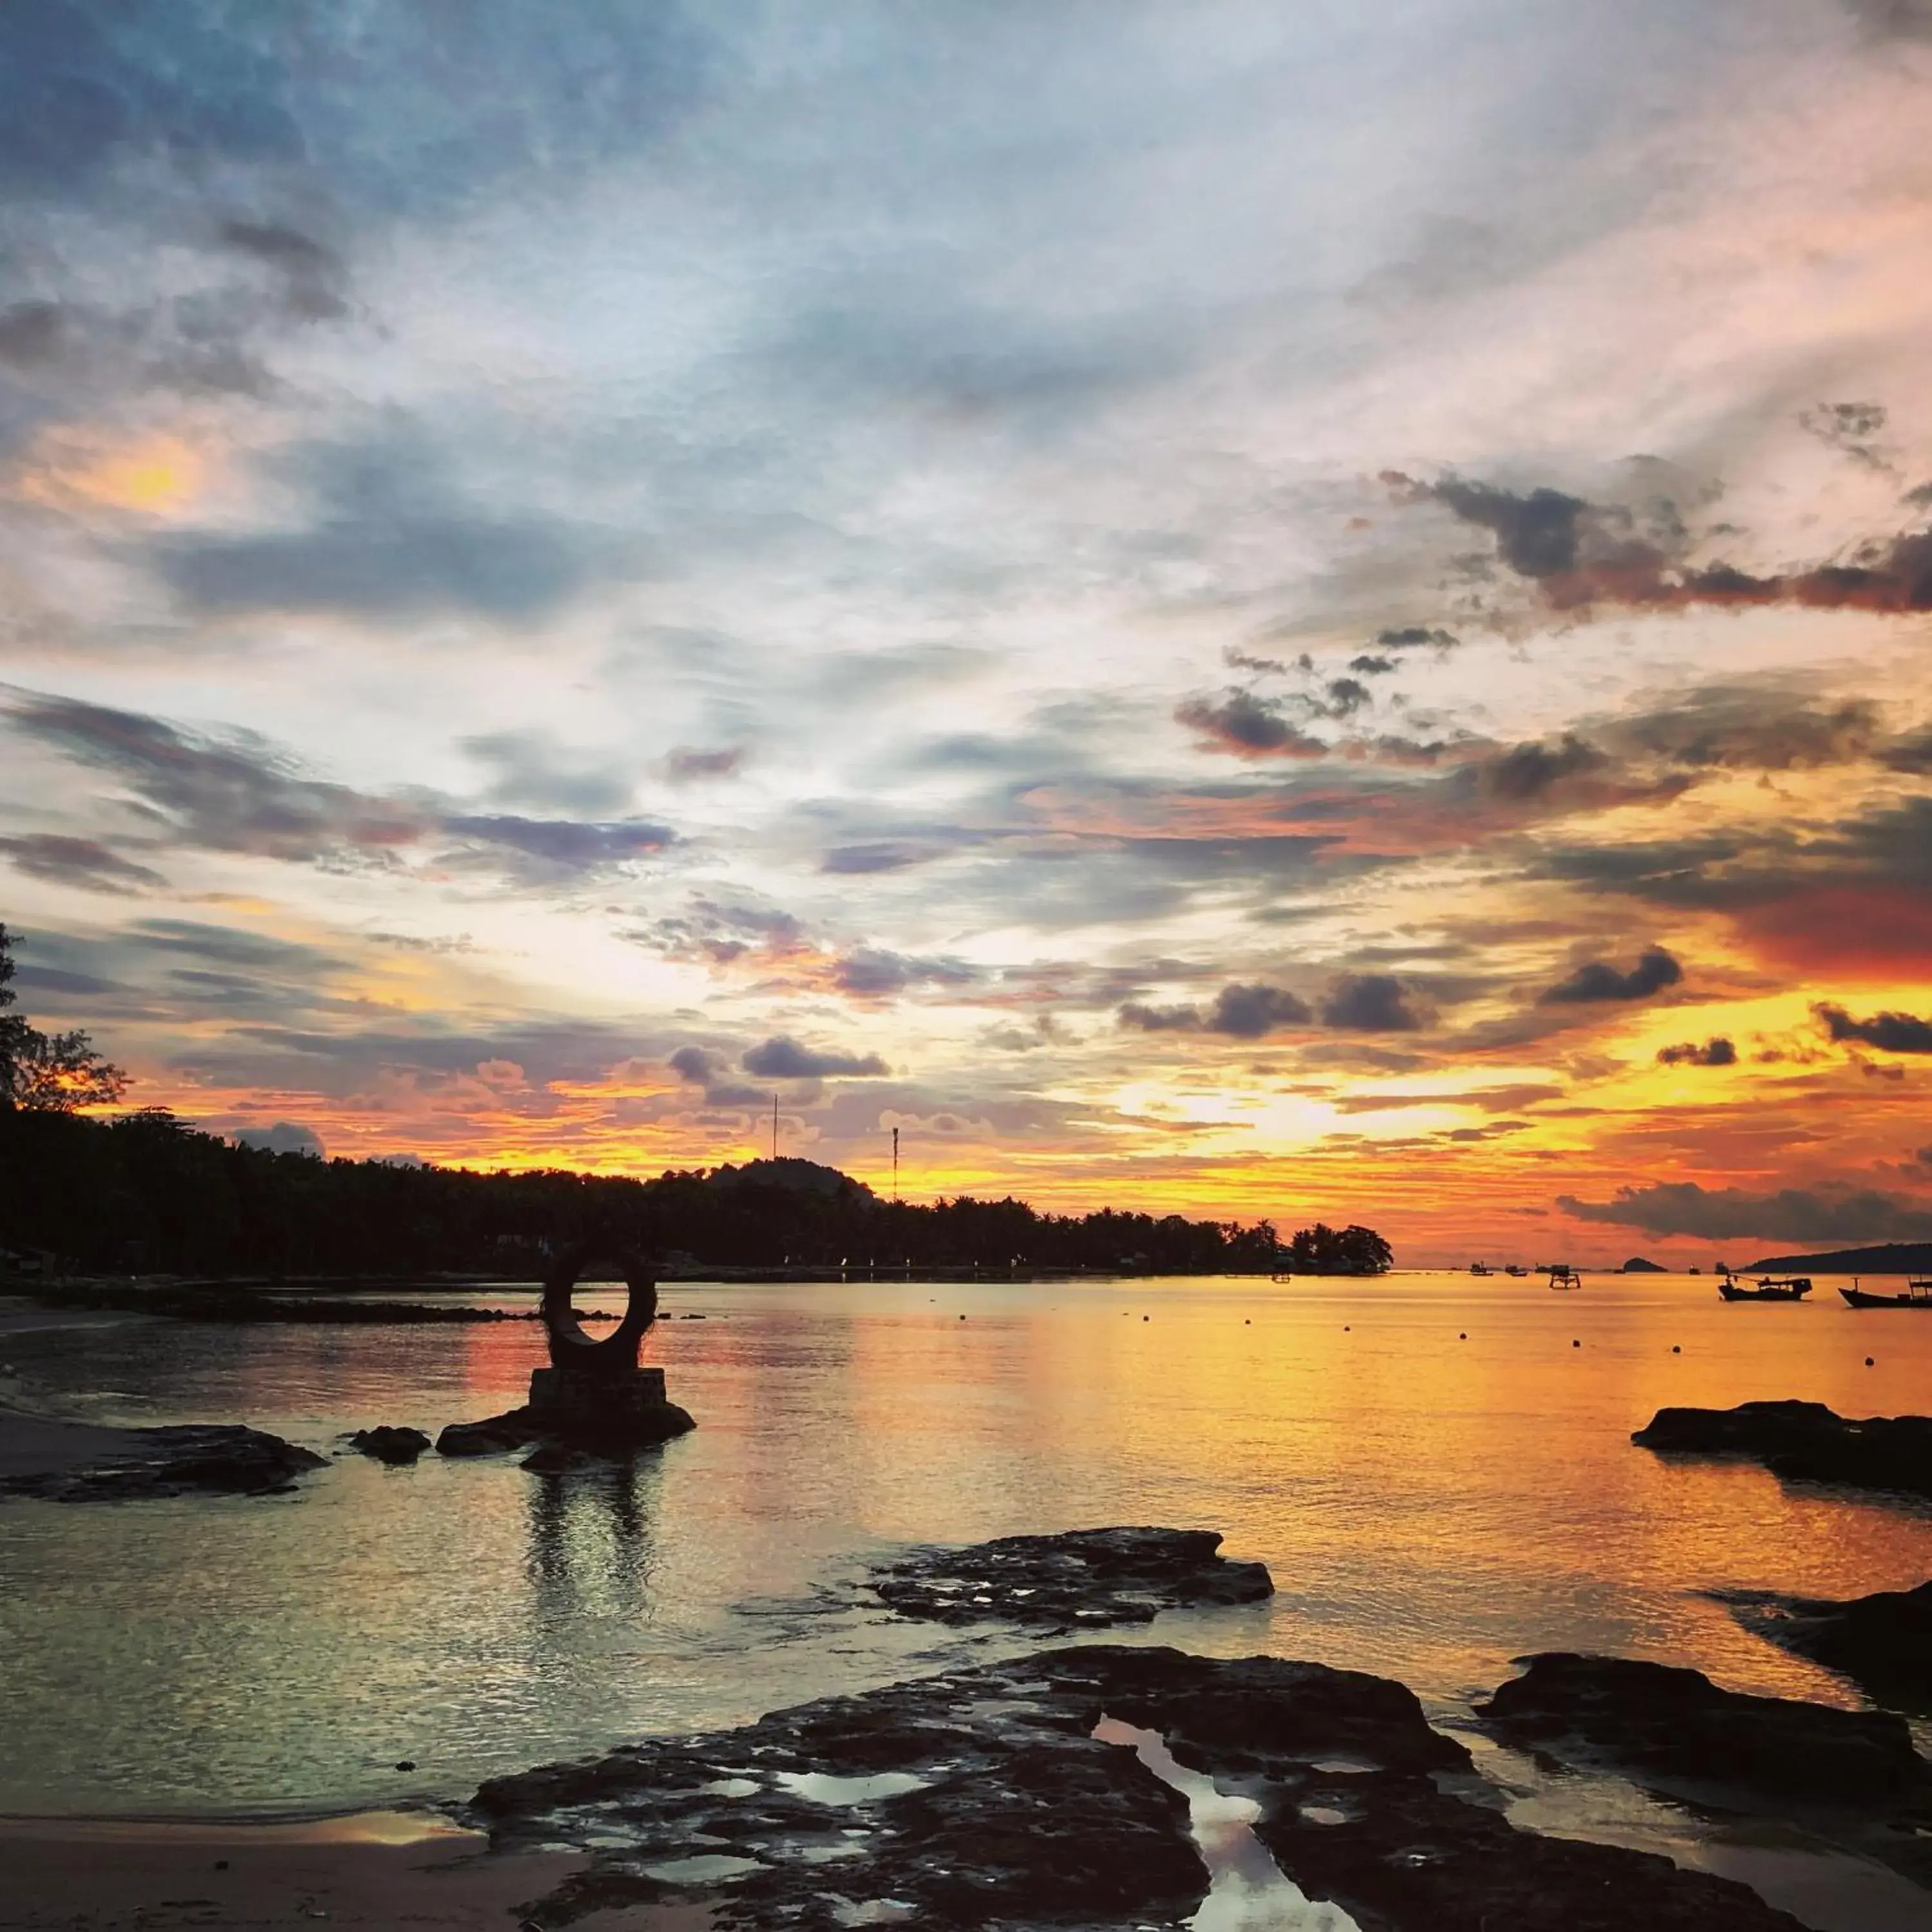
{"type": "Point", "coordinates": [145, 1193]}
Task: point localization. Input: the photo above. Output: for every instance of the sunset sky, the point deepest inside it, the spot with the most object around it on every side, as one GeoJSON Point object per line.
{"type": "Point", "coordinates": [1289, 609]}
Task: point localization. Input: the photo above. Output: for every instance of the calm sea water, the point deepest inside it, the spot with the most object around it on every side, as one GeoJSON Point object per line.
{"type": "Point", "coordinates": [1431, 1507]}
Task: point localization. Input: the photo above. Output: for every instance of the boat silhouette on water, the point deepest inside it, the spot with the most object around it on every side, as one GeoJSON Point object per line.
{"type": "Point", "coordinates": [1562, 1275]}
{"type": "Point", "coordinates": [1917, 1294]}
{"type": "Point", "coordinates": [1789, 1288]}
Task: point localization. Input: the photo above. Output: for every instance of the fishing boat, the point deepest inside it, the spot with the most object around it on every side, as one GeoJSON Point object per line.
{"type": "Point", "coordinates": [1917, 1294]}
{"type": "Point", "coordinates": [1562, 1275]}
{"type": "Point", "coordinates": [1480, 1267]}
{"type": "Point", "coordinates": [1516, 1269]}
{"type": "Point", "coordinates": [1791, 1287]}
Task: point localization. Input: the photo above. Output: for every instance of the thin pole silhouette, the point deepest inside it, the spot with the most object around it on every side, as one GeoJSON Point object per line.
{"type": "Point", "coordinates": [775, 1126]}
{"type": "Point", "coordinates": [895, 1163]}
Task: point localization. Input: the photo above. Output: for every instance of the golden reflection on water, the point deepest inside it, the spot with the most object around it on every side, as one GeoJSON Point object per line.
{"type": "Point", "coordinates": [1430, 1506]}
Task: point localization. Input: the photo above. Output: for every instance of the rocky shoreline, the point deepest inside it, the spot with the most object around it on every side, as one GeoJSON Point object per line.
{"type": "Point", "coordinates": [981, 1798]}
{"type": "Point", "coordinates": [1803, 1441]}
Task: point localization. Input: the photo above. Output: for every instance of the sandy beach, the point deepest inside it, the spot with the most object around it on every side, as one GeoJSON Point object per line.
{"type": "Point", "coordinates": [87, 1875]}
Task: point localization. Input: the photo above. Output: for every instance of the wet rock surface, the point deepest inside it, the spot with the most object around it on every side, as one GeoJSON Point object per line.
{"type": "Point", "coordinates": [219, 1458]}
{"type": "Point", "coordinates": [1851, 1775]}
{"type": "Point", "coordinates": [1083, 1576]}
{"type": "Point", "coordinates": [980, 1798]}
{"type": "Point", "coordinates": [389, 1444]}
{"type": "Point", "coordinates": [1883, 1643]}
{"type": "Point", "coordinates": [559, 1449]}
{"type": "Point", "coordinates": [1804, 1441]}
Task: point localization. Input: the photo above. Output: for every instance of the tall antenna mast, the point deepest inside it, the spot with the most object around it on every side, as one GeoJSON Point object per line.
{"type": "Point", "coordinates": [895, 1163]}
{"type": "Point", "coordinates": [775, 1126]}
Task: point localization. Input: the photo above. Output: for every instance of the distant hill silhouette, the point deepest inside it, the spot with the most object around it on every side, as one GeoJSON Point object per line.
{"type": "Point", "coordinates": [1636, 1264]}
{"type": "Point", "coordinates": [1889, 1258]}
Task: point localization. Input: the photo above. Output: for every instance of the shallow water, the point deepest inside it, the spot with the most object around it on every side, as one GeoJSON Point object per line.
{"type": "Point", "coordinates": [1430, 1506]}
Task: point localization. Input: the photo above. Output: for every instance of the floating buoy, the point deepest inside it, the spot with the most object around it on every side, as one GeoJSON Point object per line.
{"type": "Point", "coordinates": [1868, 1362]}
{"type": "Point", "coordinates": [1463, 1337]}
{"type": "Point", "coordinates": [1245, 1323]}
{"type": "Point", "coordinates": [1675, 1349]}
{"type": "Point", "coordinates": [1576, 1344]}
{"type": "Point", "coordinates": [1147, 1317]}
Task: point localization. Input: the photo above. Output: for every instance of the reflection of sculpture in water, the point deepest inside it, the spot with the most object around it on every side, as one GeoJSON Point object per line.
{"type": "Point", "coordinates": [592, 1552]}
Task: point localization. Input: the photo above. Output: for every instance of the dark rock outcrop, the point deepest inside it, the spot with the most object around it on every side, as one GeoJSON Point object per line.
{"type": "Point", "coordinates": [1637, 1265]}
{"type": "Point", "coordinates": [218, 1458]}
{"type": "Point", "coordinates": [981, 1799]}
{"type": "Point", "coordinates": [1676, 1730]}
{"type": "Point", "coordinates": [1883, 1643]}
{"type": "Point", "coordinates": [391, 1445]}
{"type": "Point", "coordinates": [519, 1428]}
{"type": "Point", "coordinates": [1803, 1441]}
{"type": "Point", "coordinates": [1091, 1576]}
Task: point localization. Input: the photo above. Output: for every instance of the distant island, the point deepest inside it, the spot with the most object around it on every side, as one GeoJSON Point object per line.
{"type": "Point", "coordinates": [1888, 1257]}
{"type": "Point", "coordinates": [1636, 1264]}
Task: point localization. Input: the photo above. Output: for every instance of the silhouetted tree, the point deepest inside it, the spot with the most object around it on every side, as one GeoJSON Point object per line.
{"type": "Point", "coordinates": [48, 1072]}
{"type": "Point", "coordinates": [1322, 1249]}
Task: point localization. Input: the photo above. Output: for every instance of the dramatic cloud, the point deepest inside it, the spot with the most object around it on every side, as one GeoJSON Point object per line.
{"type": "Point", "coordinates": [1370, 1002]}
{"type": "Point", "coordinates": [781, 1058]}
{"type": "Point", "coordinates": [1248, 727]}
{"type": "Point", "coordinates": [1599, 980]}
{"type": "Point", "coordinates": [1579, 554]}
{"type": "Point", "coordinates": [1890, 1033]}
{"type": "Point", "coordinates": [240, 794]}
{"type": "Point", "coordinates": [1731, 1214]}
{"type": "Point", "coordinates": [872, 973]}
{"type": "Point", "coordinates": [1716, 1052]}
{"type": "Point", "coordinates": [1241, 1012]}
{"type": "Point", "coordinates": [85, 863]}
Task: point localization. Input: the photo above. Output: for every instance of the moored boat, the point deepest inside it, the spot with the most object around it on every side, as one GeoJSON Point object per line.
{"type": "Point", "coordinates": [1917, 1294]}
{"type": "Point", "coordinates": [1791, 1287]}
{"type": "Point", "coordinates": [1480, 1267]}
{"type": "Point", "coordinates": [1562, 1275]}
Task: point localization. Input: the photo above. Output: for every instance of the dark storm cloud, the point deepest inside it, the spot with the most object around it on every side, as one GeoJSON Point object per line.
{"type": "Point", "coordinates": [780, 1058]}
{"type": "Point", "coordinates": [85, 863]}
{"type": "Point", "coordinates": [1248, 726]}
{"type": "Point", "coordinates": [873, 973]}
{"type": "Point", "coordinates": [883, 855]}
{"type": "Point", "coordinates": [1537, 534]}
{"type": "Point", "coordinates": [1532, 771]}
{"type": "Point", "coordinates": [1370, 1002]}
{"type": "Point", "coordinates": [238, 794]}
{"type": "Point", "coordinates": [314, 277]}
{"type": "Point", "coordinates": [284, 1137]}
{"type": "Point", "coordinates": [1579, 554]}
{"type": "Point", "coordinates": [1598, 980]}
{"type": "Point", "coordinates": [1731, 1214]}
{"type": "Point", "coordinates": [1346, 696]}
{"type": "Point", "coordinates": [1239, 1011]}
{"type": "Point", "coordinates": [702, 1066]}
{"type": "Point", "coordinates": [571, 844]}
{"type": "Point", "coordinates": [235, 795]}
{"type": "Point", "coordinates": [1716, 1052]}
{"type": "Point", "coordinates": [1372, 666]}
{"type": "Point", "coordinates": [1414, 637]}
{"type": "Point", "coordinates": [1890, 1032]}
{"type": "Point", "coordinates": [1756, 727]}
{"type": "Point", "coordinates": [1251, 1012]}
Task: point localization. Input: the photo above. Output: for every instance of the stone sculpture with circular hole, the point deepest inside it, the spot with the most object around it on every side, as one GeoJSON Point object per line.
{"type": "Point", "coordinates": [593, 1396]}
